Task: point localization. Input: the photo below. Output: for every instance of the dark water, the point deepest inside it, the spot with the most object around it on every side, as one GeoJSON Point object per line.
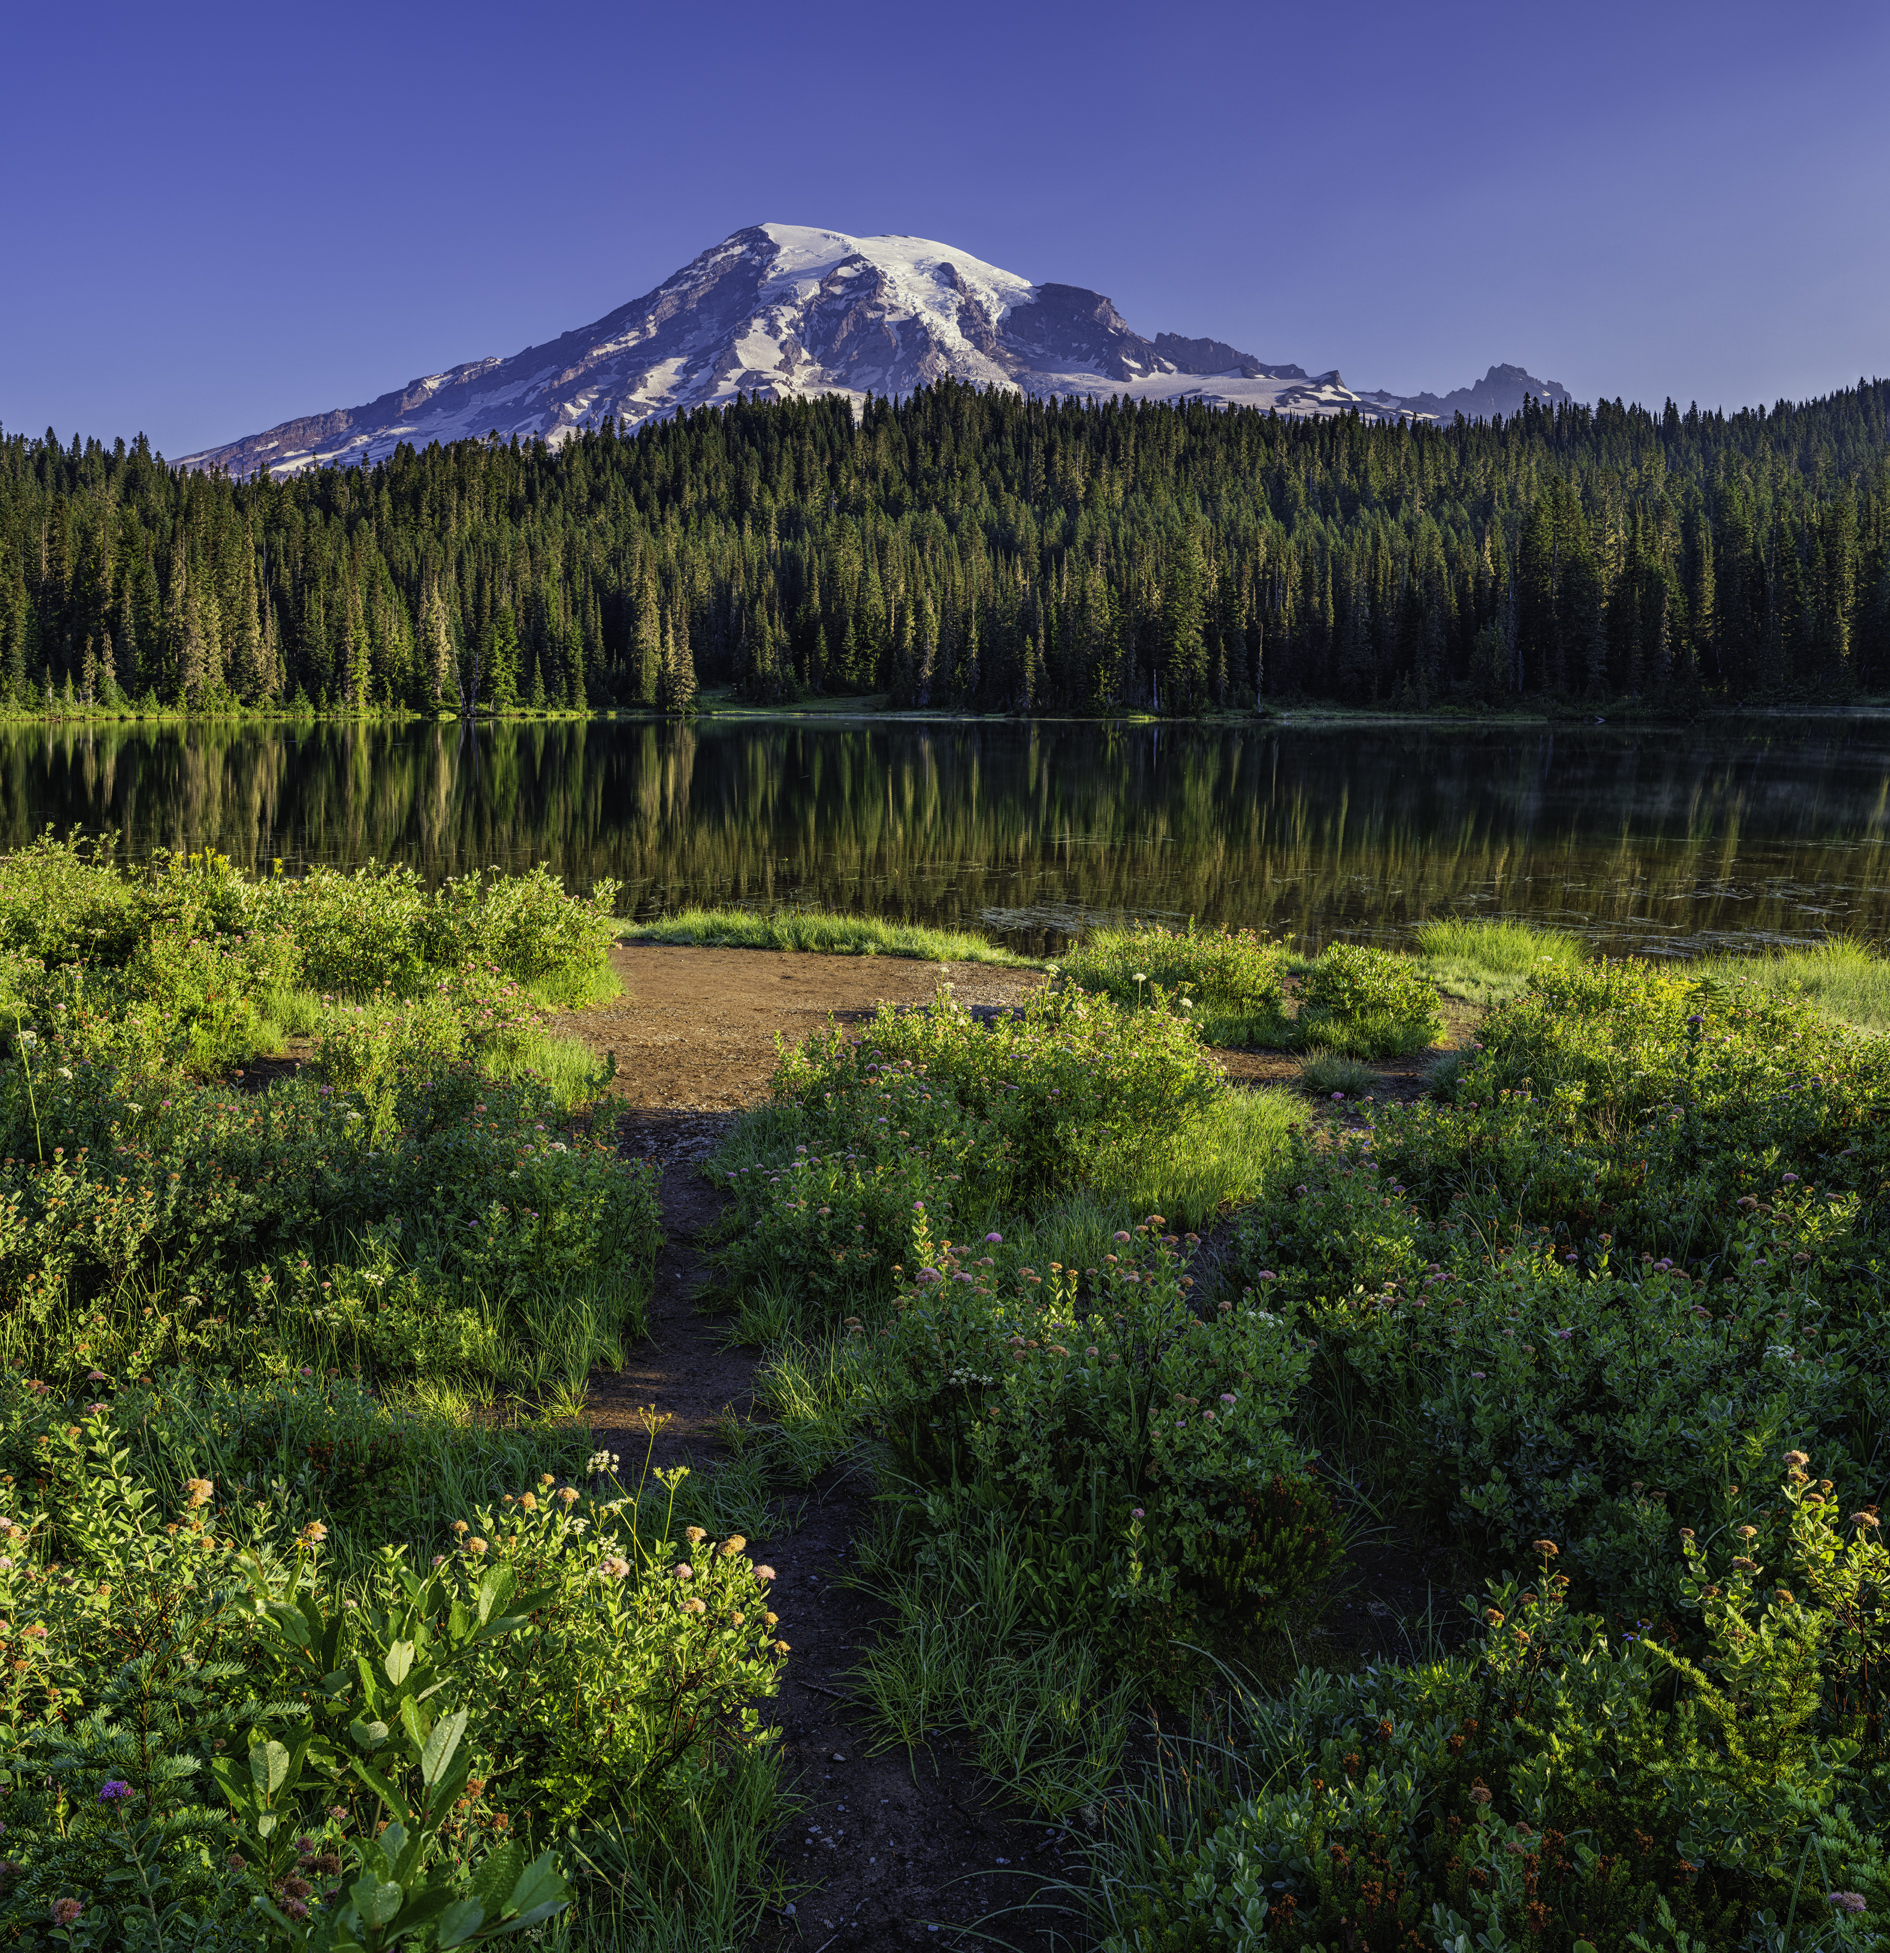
{"type": "Point", "coordinates": [1653, 840]}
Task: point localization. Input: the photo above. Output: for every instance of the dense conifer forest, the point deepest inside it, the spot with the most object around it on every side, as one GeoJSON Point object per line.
{"type": "Point", "coordinates": [970, 548]}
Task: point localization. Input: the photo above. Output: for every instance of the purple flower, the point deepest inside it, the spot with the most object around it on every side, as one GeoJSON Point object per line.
{"type": "Point", "coordinates": [994, 1240]}
{"type": "Point", "coordinates": [115, 1792]}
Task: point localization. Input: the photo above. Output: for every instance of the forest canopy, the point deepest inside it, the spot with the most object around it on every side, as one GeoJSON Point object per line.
{"type": "Point", "coordinates": [972, 548]}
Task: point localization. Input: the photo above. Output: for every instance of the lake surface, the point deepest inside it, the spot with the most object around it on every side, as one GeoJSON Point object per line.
{"type": "Point", "coordinates": [1653, 840]}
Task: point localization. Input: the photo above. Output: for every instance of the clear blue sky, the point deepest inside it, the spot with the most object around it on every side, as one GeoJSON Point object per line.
{"type": "Point", "coordinates": [216, 217]}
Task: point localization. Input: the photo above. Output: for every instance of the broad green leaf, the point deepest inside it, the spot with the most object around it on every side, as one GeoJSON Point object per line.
{"type": "Point", "coordinates": [460, 1921]}
{"type": "Point", "coordinates": [378, 1904]}
{"type": "Point", "coordinates": [269, 1767]}
{"type": "Point", "coordinates": [398, 1662]}
{"type": "Point", "coordinates": [415, 1721]}
{"type": "Point", "coordinates": [369, 1735]}
{"type": "Point", "coordinates": [440, 1746]}
{"type": "Point", "coordinates": [540, 1883]}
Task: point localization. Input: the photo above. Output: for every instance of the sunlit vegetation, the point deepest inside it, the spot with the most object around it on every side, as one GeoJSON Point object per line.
{"type": "Point", "coordinates": [817, 930]}
{"type": "Point", "coordinates": [1599, 1320]}
{"type": "Point", "coordinates": [308, 1245]}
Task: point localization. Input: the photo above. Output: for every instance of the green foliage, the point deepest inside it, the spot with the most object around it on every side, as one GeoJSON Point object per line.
{"type": "Point", "coordinates": [1843, 978]}
{"type": "Point", "coordinates": [822, 933]}
{"type": "Point", "coordinates": [1234, 981]}
{"type": "Point", "coordinates": [195, 1694]}
{"type": "Point", "coordinates": [1558, 1787]}
{"type": "Point", "coordinates": [934, 1113]}
{"type": "Point", "coordinates": [1495, 945]}
{"type": "Point", "coordinates": [1636, 1256]}
{"type": "Point", "coordinates": [1099, 1406]}
{"type": "Point", "coordinates": [1329, 1074]}
{"type": "Point", "coordinates": [383, 1204]}
{"type": "Point", "coordinates": [1366, 1003]}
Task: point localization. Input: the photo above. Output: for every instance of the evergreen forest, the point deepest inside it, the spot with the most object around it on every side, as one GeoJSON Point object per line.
{"type": "Point", "coordinates": [963, 548]}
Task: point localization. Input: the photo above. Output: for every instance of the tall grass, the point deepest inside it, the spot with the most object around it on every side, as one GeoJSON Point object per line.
{"type": "Point", "coordinates": [1487, 959]}
{"type": "Point", "coordinates": [823, 933]}
{"type": "Point", "coordinates": [1844, 978]}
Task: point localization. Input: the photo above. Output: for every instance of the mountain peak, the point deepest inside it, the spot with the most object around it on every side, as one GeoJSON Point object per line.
{"type": "Point", "coordinates": [776, 311]}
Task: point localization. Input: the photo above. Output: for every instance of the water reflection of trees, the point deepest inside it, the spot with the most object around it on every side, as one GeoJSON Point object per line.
{"type": "Point", "coordinates": [1637, 837]}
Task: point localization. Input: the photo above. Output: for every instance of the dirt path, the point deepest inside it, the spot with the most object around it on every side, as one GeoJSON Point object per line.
{"type": "Point", "coordinates": [894, 1851]}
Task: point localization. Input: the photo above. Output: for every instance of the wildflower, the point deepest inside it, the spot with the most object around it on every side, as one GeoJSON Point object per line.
{"type": "Point", "coordinates": [1849, 1901]}
{"type": "Point", "coordinates": [732, 1545]}
{"type": "Point", "coordinates": [527, 1502]}
{"type": "Point", "coordinates": [1547, 1548]}
{"type": "Point", "coordinates": [1865, 1519]}
{"type": "Point", "coordinates": [115, 1791]}
{"type": "Point", "coordinates": [201, 1490]}
{"type": "Point", "coordinates": [1743, 1565]}
{"type": "Point", "coordinates": [568, 1494]}
{"type": "Point", "coordinates": [693, 1607]}
{"type": "Point", "coordinates": [683, 1570]}
{"type": "Point", "coordinates": [1228, 1397]}
{"type": "Point", "coordinates": [1479, 1792]}
{"type": "Point", "coordinates": [1137, 1513]}
{"type": "Point", "coordinates": [65, 1912]}
{"type": "Point", "coordinates": [614, 1568]}
{"type": "Point", "coordinates": [765, 1573]}
{"type": "Point", "coordinates": [314, 1532]}
{"type": "Point", "coordinates": [694, 1535]}
{"type": "Point", "coordinates": [476, 1546]}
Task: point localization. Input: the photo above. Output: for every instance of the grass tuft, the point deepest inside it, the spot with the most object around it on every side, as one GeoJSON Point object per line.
{"type": "Point", "coordinates": [1325, 1072]}
{"type": "Point", "coordinates": [1844, 978]}
{"type": "Point", "coordinates": [1488, 959]}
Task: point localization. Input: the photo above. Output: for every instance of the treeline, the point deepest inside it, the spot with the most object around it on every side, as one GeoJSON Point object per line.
{"type": "Point", "coordinates": [974, 548]}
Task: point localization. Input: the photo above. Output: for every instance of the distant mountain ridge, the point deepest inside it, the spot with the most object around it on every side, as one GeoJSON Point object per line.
{"type": "Point", "coordinates": [780, 310]}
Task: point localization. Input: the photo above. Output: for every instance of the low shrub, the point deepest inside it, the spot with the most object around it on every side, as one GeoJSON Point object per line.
{"type": "Point", "coordinates": [1228, 976]}
{"type": "Point", "coordinates": [1366, 1003]}
{"type": "Point", "coordinates": [207, 1729]}
{"type": "Point", "coordinates": [1563, 1786]}
{"type": "Point", "coordinates": [1098, 1407]}
{"type": "Point", "coordinates": [1639, 1251]}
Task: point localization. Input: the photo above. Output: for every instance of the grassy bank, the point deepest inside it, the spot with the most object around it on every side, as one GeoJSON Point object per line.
{"type": "Point", "coordinates": [1599, 1323]}
{"type": "Point", "coordinates": [308, 1247]}
{"type": "Point", "coordinates": [823, 933]}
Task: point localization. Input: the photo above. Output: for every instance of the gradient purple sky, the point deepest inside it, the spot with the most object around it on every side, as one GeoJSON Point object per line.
{"type": "Point", "coordinates": [220, 216]}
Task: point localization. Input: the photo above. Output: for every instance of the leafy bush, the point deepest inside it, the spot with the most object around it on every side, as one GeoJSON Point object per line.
{"type": "Point", "coordinates": [1101, 1407]}
{"type": "Point", "coordinates": [1227, 974]}
{"type": "Point", "coordinates": [938, 1114]}
{"type": "Point", "coordinates": [1561, 1787]}
{"type": "Point", "coordinates": [1587, 1297]}
{"type": "Point", "coordinates": [1366, 1003]}
{"type": "Point", "coordinates": [192, 1691]}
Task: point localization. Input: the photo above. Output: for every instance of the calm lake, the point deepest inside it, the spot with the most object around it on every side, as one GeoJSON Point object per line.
{"type": "Point", "coordinates": [1655, 840]}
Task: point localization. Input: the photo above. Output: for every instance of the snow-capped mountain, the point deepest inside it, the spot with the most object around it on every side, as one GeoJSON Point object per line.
{"type": "Point", "coordinates": [779, 310]}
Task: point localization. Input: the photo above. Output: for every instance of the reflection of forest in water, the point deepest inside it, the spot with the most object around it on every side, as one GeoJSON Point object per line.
{"type": "Point", "coordinates": [1643, 838]}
